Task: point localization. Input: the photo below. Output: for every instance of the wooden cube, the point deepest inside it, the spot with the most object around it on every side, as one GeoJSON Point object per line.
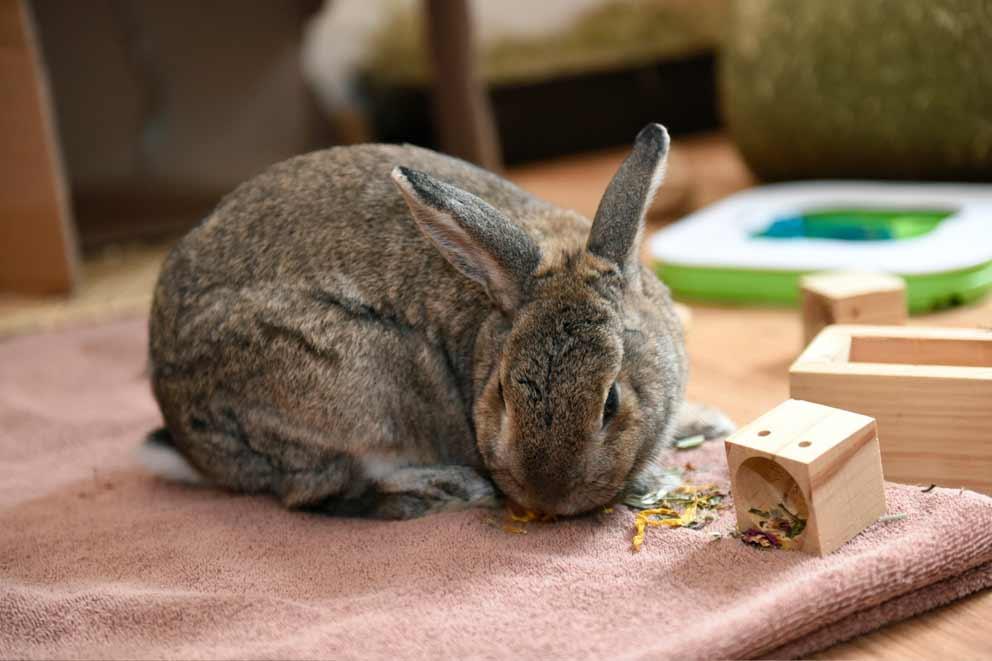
{"type": "Point", "coordinates": [814, 462]}
{"type": "Point", "coordinates": [848, 297]}
{"type": "Point", "coordinates": [930, 389]}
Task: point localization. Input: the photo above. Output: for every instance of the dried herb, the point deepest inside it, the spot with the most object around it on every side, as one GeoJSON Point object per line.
{"type": "Point", "coordinates": [645, 519]}
{"type": "Point", "coordinates": [526, 517]}
{"type": "Point", "coordinates": [796, 524]}
{"type": "Point", "coordinates": [515, 519]}
{"type": "Point", "coordinates": [929, 488]}
{"type": "Point", "coordinates": [777, 527]}
{"type": "Point", "coordinates": [674, 504]}
{"type": "Point", "coordinates": [667, 481]}
{"type": "Point", "coordinates": [890, 518]}
{"type": "Point", "coordinates": [671, 504]}
{"type": "Point", "coordinates": [685, 506]}
{"type": "Point", "coordinates": [690, 442]}
{"type": "Point", "coordinates": [761, 538]}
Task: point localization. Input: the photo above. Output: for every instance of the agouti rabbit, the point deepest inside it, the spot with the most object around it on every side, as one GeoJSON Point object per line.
{"type": "Point", "coordinates": [381, 330]}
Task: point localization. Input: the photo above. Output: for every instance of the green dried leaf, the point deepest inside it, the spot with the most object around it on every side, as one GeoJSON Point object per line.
{"type": "Point", "coordinates": [889, 518]}
{"type": "Point", "coordinates": [690, 442]}
{"type": "Point", "coordinates": [665, 483]}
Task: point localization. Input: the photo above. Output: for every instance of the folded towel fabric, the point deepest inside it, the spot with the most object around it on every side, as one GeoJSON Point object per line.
{"type": "Point", "coordinates": [99, 559]}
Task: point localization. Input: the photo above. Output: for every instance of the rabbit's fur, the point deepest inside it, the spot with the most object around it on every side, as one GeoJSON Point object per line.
{"type": "Point", "coordinates": [378, 340]}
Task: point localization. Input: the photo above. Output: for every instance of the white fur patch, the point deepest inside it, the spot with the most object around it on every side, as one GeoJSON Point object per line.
{"type": "Point", "coordinates": [377, 466]}
{"type": "Point", "coordinates": [167, 463]}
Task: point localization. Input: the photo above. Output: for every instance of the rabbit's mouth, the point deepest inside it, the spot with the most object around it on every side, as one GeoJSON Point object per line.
{"type": "Point", "coordinates": [583, 498]}
{"type": "Point", "coordinates": [507, 482]}
{"type": "Point", "coordinates": [587, 498]}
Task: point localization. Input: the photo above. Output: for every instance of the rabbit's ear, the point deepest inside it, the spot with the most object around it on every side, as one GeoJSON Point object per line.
{"type": "Point", "coordinates": [619, 223]}
{"type": "Point", "coordinates": [476, 238]}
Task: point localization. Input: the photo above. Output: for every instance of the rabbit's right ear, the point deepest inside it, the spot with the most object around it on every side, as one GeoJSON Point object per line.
{"type": "Point", "coordinates": [619, 224]}
{"type": "Point", "coordinates": [476, 238]}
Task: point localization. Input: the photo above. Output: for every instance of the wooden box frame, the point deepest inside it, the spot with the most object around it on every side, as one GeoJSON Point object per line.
{"type": "Point", "coordinates": [930, 389]}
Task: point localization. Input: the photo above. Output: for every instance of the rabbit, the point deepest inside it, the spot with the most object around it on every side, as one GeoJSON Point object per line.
{"type": "Point", "coordinates": [385, 331]}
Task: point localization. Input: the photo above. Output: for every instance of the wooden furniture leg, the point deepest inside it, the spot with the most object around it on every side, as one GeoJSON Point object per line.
{"type": "Point", "coordinates": [463, 115]}
{"type": "Point", "coordinates": [37, 243]}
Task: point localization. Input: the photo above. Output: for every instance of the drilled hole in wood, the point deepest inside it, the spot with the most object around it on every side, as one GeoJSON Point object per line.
{"type": "Point", "coordinates": [804, 444]}
{"type": "Point", "coordinates": [764, 432]}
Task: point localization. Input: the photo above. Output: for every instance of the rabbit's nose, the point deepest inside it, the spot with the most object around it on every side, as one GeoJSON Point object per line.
{"type": "Point", "coordinates": [549, 491]}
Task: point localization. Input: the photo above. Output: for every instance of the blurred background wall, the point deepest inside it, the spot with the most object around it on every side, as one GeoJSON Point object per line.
{"type": "Point", "coordinates": [162, 107]}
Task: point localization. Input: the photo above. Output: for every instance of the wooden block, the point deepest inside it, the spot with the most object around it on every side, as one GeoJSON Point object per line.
{"type": "Point", "coordinates": [930, 389]}
{"type": "Point", "coordinates": [817, 463]}
{"type": "Point", "coordinates": [848, 297]}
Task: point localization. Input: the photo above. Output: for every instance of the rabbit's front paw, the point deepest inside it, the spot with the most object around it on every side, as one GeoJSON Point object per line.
{"type": "Point", "coordinates": [701, 420]}
{"type": "Point", "coordinates": [411, 492]}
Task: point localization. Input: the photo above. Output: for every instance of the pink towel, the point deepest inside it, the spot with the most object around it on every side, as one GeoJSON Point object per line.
{"type": "Point", "coordinates": [98, 559]}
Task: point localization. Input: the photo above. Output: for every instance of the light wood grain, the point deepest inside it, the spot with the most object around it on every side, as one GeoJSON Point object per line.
{"type": "Point", "coordinates": [913, 349]}
{"type": "Point", "coordinates": [832, 458]}
{"type": "Point", "coordinates": [929, 388]}
{"type": "Point", "coordinates": [845, 297]}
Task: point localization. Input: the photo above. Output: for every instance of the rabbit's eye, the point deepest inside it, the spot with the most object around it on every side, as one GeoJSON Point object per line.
{"type": "Point", "coordinates": [501, 392]}
{"type": "Point", "coordinates": [612, 402]}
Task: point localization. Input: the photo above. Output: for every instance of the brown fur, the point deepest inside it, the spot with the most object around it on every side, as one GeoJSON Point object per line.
{"type": "Point", "coordinates": [314, 339]}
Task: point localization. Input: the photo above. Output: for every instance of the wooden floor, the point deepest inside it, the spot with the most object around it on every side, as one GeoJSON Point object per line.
{"type": "Point", "coordinates": [740, 357]}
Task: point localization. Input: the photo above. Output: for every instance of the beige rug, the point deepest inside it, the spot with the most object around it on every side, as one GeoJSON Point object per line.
{"type": "Point", "coordinates": [117, 282]}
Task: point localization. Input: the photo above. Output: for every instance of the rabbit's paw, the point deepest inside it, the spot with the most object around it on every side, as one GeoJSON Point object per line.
{"type": "Point", "coordinates": [415, 491]}
{"type": "Point", "coordinates": [699, 419]}
{"type": "Point", "coordinates": [651, 478]}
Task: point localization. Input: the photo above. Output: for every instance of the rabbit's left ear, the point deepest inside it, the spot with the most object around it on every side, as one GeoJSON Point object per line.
{"type": "Point", "coordinates": [619, 224]}
{"type": "Point", "coordinates": [473, 236]}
